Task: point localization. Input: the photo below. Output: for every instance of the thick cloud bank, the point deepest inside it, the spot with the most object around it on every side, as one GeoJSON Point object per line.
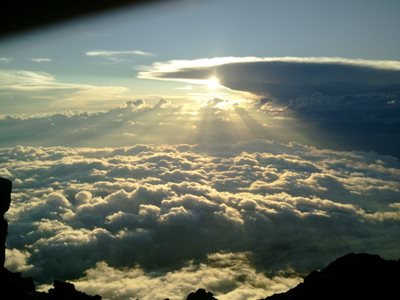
{"type": "Point", "coordinates": [286, 78]}
{"type": "Point", "coordinates": [156, 212]}
{"type": "Point", "coordinates": [350, 100]}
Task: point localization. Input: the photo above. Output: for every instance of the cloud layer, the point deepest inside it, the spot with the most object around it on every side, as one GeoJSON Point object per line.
{"type": "Point", "coordinates": [163, 209]}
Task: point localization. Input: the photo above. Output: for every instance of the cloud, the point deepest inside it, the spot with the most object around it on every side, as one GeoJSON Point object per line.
{"type": "Point", "coordinates": [344, 100]}
{"type": "Point", "coordinates": [117, 53]}
{"type": "Point", "coordinates": [200, 186]}
{"type": "Point", "coordinates": [286, 205]}
{"type": "Point", "coordinates": [217, 121]}
{"type": "Point", "coordinates": [186, 87]}
{"type": "Point", "coordinates": [6, 60]}
{"type": "Point", "coordinates": [21, 80]}
{"type": "Point", "coordinates": [24, 86]}
{"type": "Point", "coordinates": [117, 56]}
{"type": "Point", "coordinates": [228, 275]}
{"type": "Point", "coordinates": [40, 59]}
{"type": "Point", "coordinates": [133, 122]}
{"type": "Point", "coordinates": [17, 260]}
{"type": "Point", "coordinates": [285, 78]}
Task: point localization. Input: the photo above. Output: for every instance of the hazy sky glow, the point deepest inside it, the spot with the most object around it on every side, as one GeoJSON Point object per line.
{"type": "Point", "coordinates": [231, 145]}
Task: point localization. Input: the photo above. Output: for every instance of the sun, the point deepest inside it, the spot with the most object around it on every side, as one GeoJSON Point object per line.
{"type": "Point", "coordinates": [212, 83]}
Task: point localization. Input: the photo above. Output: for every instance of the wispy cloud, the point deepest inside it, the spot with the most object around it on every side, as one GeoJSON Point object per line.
{"type": "Point", "coordinates": [6, 60]}
{"type": "Point", "coordinates": [116, 53]}
{"type": "Point", "coordinates": [188, 87]}
{"type": "Point", "coordinates": [40, 59]}
{"type": "Point", "coordinates": [32, 81]}
{"type": "Point", "coordinates": [40, 85]}
{"type": "Point", "coordinates": [116, 56]}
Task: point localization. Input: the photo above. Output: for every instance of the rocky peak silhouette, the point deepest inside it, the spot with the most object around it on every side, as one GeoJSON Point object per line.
{"type": "Point", "coordinates": [201, 294]}
{"type": "Point", "coordinates": [5, 200]}
{"type": "Point", "coordinates": [353, 276]}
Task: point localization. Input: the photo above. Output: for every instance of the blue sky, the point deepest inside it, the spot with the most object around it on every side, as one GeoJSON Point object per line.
{"type": "Point", "coordinates": [199, 29]}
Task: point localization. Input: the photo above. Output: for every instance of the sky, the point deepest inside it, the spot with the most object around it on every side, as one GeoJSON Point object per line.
{"type": "Point", "coordinates": [229, 145]}
{"type": "Point", "coordinates": [107, 51]}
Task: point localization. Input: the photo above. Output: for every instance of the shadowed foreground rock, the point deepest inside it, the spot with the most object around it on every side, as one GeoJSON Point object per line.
{"type": "Point", "coordinates": [353, 276]}
{"type": "Point", "coordinates": [201, 294]}
{"type": "Point", "coordinates": [16, 287]}
{"type": "Point", "coordinates": [5, 200]}
{"type": "Point", "coordinates": [67, 291]}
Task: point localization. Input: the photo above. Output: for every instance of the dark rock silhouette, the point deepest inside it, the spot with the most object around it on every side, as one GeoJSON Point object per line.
{"type": "Point", "coordinates": [201, 294]}
{"type": "Point", "coordinates": [66, 291]}
{"type": "Point", "coordinates": [15, 287]}
{"type": "Point", "coordinates": [353, 276]}
{"type": "Point", "coordinates": [5, 200]}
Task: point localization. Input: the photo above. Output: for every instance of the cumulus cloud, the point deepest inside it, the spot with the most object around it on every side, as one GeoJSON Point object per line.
{"type": "Point", "coordinates": [17, 260]}
{"type": "Point", "coordinates": [156, 210]}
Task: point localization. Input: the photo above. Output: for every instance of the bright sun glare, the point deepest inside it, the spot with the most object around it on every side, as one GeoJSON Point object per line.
{"type": "Point", "coordinates": [212, 83]}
